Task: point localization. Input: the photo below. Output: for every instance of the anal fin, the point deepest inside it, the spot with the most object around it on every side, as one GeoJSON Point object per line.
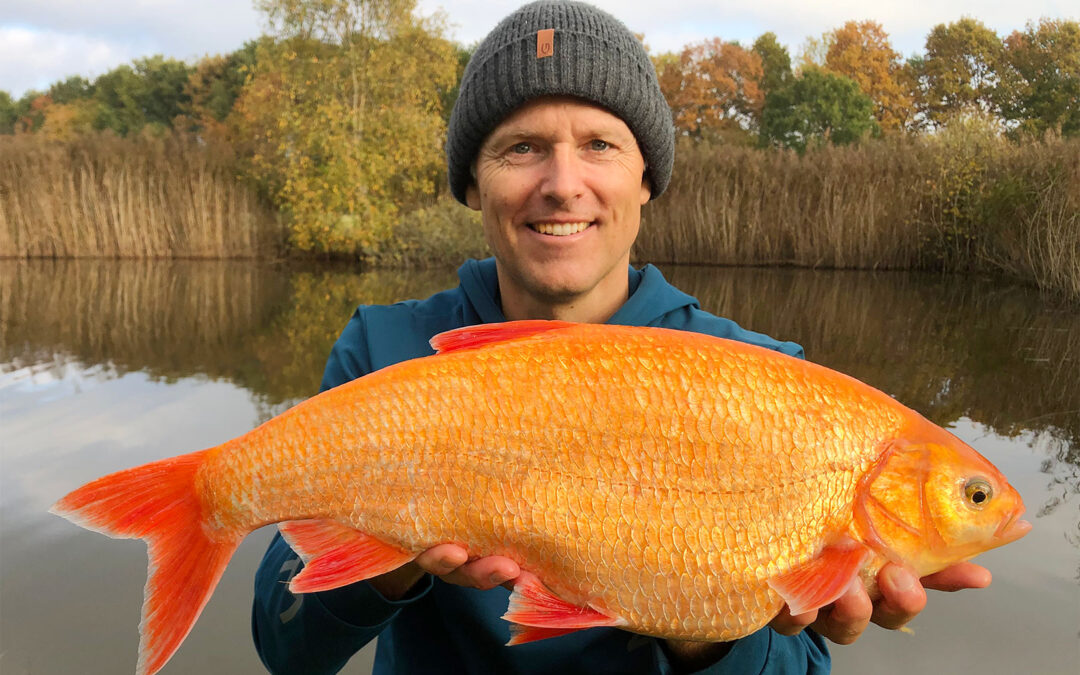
{"type": "Point", "coordinates": [335, 554]}
{"type": "Point", "coordinates": [823, 578]}
{"type": "Point", "coordinates": [536, 613]}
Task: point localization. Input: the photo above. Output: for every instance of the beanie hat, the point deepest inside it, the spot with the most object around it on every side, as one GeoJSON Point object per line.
{"type": "Point", "coordinates": [553, 48]}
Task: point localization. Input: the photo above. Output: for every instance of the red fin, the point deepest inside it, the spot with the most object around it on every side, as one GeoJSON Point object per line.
{"type": "Point", "coordinates": [335, 554]}
{"type": "Point", "coordinates": [491, 333]}
{"type": "Point", "coordinates": [824, 578]}
{"type": "Point", "coordinates": [536, 613]}
{"type": "Point", "coordinates": [157, 502]}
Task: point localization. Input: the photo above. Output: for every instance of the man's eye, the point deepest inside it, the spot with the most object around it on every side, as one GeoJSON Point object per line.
{"type": "Point", "coordinates": [599, 145]}
{"type": "Point", "coordinates": [521, 148]}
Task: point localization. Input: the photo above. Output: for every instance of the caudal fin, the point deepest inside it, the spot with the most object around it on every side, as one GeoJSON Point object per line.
{"type": "Point", "coordinates": [158, 502]}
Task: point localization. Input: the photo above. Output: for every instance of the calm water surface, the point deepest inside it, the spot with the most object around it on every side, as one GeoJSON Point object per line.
{"type": "Point", "coordinates": [106, 365]}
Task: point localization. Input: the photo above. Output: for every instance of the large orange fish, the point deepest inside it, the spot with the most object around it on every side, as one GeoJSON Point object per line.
{"type": "Point", "coordinates": [665, 482]}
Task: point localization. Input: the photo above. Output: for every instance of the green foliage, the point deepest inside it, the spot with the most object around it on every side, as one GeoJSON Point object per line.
{"type": "Point", "coordinates": [815, 108]}
{"type": "Point", "coordinates": [959, 71]}
{"type": "Point", "coordinates": [449, 95]}
{"type": "Point", "coordinates": [958, 162]}
{"type": "Point", "coordinates": [7, 113]}
{"type": "Point", "coordinates": [150, 93]}
{"type": "Point", "coordinates": [1040, 78]}
{"type": "Point", "coordinates": [775, 62]}
{"type": "Point", "coordinates": [443, 234]}
{"type": "Point", "coordinates": [72, 89]}
{"type": "Point", "coordinates": [342, 121]}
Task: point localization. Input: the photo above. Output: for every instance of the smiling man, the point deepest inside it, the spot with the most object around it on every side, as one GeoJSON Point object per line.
{"type": "Point", "coordinates": [560, 184]}
{"type": "Point", "coordinates": [558, 137]}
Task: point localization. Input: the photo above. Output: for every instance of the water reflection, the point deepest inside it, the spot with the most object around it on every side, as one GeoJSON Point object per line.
{"type": "Point", "coordinates": [950, 347]}
{"type": "Point", "coordinates": [109, 364]}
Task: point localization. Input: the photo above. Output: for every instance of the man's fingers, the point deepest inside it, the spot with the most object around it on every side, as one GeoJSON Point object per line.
{"type": "Point", "coordinates": [787, 624]}
{"type": "Point", "coordinates": [847, 618]}
{"type": "Point", "coordinates": [902, 597]}
{"type": "Point", "coordinates": [442, 559]}
{"type": "Point", "coordinates": [958, 577]}
{"type": "Point", "coordinates": [450, 562]}
{"type": "Point", "coordinates": [485, 573]}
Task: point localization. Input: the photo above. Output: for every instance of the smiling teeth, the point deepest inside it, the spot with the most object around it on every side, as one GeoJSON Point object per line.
{"type": "Point", "coordinates": [559, 229]}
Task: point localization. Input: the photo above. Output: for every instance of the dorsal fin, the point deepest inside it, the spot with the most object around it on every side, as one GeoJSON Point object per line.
{"type": "Point", "coordinates": [491, 333]}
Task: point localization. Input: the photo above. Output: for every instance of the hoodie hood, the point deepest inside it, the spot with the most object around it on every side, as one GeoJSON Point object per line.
{"type": "Point", "coordinates": [651, 296]}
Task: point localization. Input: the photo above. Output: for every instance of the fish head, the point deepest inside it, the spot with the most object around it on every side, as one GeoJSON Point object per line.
{"type": "Point", "coordinates": [932, 503]}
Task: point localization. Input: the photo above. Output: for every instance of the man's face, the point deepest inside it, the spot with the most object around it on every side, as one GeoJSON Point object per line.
{"type": "Point", "coordinates": [560, 186]}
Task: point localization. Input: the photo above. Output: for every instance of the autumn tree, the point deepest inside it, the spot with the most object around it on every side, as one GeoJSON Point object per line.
{"type": "Point", "coordinates": [1039, 87]}
{"type": "Point", "coordinates": [816, 107]}
{"type": "Point", "coordinates": [714, 88]}
{"type": "Point", "coordinates": [861, 51]}
{"type": "Point", "coordinates": [212, 88]}
{"type": "Point", "coordinates": [29, 111]}
{"type": "Point", "coordinates": [342, 118]}
{"type": "Point", "coordinates": [959, 69]}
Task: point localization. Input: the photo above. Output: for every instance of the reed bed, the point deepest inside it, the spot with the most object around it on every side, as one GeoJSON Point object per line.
{"type": "Point", "coordinates": [143, 197]}
{"type": "Point", "coordinates": [961, 200]}
{"type": "Point", "coordinates": [964, 199]}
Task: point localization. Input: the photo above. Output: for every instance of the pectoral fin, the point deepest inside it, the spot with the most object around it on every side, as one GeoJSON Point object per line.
{"type": "Point", "coordinates": [335, 554]}
{"type": "Point", "coordinates": [536, 613]}
{"type": "Point", "coordinates": [823, 578]}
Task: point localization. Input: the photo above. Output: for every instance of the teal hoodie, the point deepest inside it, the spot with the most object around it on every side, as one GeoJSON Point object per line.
{"type": "Point", "coordinates": [443, 628]}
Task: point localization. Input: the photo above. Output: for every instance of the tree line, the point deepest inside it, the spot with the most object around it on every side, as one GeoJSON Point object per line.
{"type": "Point", "coordinates": [337, 115]}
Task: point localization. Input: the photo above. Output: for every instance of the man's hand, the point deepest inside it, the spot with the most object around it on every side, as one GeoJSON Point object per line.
{"type": "Point", "coordinates": [902, 598]}
{"type": "Point", "coordinates": [450, 563]}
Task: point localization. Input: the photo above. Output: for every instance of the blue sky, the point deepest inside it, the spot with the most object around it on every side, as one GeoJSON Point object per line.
{"type": "Point", "coordinates": [42, 41]}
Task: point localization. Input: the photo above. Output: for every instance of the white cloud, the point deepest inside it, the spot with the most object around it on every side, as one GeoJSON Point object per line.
{"type": "Point", "coordinates": [31, 59]}
{"type": "Point", "coordinates": [47, 40]}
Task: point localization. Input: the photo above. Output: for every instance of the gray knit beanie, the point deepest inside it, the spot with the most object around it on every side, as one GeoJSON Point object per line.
{"type": "Point", "coordinates": [552, 48]}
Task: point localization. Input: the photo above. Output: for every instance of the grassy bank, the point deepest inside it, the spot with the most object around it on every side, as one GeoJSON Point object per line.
{"type": "Point", "coordinates": [964, 200]}
{"type": "Point", "coordinates": [138, 197]}
{"type": "Point", "coordinates": [961, 200]}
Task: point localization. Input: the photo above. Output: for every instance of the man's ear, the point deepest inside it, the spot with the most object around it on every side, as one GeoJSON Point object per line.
{"type": "Point", "coordinates": [646, 189]}
{"type": "Point", "coordinates": [472, 196]}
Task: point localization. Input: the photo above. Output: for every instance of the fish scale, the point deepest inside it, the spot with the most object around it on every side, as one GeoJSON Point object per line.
{"type": "Point", "coordinates": [669, 483]}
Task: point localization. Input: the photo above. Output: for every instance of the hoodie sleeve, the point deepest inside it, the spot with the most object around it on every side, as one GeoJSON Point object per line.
{"type": "Point", "coordinates": [318, 633]}
{"type": "Point", "coordinates": [765, 652]}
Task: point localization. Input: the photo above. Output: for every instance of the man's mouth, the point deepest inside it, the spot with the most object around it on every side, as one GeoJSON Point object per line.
{"type": "Point", "coordinates": [560, 229]}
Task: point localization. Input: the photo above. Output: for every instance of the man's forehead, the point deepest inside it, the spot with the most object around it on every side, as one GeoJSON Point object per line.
{"type": "Point", "coordinates": [552, 116]}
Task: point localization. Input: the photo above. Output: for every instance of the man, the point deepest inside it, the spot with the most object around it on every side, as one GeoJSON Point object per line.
{"type": "Point", "coordinates": [560, 134]}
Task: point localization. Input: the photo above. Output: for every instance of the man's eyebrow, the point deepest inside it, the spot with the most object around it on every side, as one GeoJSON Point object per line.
{"type": "Point", "coordinates": [599, 131]}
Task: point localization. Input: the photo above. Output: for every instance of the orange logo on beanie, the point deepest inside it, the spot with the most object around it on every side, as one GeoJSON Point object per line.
{"type": "Point", "coordinates": [545, 42]}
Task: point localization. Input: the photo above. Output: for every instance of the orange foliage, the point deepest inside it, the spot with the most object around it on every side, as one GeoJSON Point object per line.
{"type": "Point", "coordinates": [713, 87]}
{"type": "Point", "coordinates": [861, 51]}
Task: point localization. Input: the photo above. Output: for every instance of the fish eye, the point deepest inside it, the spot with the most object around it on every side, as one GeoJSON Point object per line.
{"type": "Point", "coordinates": [978, 492]}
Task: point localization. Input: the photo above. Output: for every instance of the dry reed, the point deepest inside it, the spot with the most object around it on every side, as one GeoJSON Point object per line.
{"type": "Point", "coordinates": [962, 200]}
{"type": "Point", "coordinates": [141, 197]}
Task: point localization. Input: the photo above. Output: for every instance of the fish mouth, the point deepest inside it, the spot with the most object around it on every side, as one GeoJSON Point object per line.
{"type": "Point", "coordinates": [1013, 528]}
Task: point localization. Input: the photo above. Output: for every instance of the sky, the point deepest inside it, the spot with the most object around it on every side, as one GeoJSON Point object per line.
{"type": "Point", "coordinates": [43, 41]}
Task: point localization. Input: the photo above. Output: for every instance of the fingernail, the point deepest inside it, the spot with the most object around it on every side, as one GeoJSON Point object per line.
{"type": "Point", "coordinates": [900, 579]}
{"type": "Point", "coordinates": [497, 578]}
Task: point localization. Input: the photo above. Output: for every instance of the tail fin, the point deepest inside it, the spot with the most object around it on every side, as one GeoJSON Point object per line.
{"type": "Point", "coordinates": [158, 502]}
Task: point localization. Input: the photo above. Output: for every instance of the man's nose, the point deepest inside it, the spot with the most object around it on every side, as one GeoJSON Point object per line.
{"type": "Point", "coordinates": [564, 175]}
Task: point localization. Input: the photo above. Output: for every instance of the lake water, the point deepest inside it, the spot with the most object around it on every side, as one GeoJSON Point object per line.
{"type": "Point", "coordinates": [105, 365]}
